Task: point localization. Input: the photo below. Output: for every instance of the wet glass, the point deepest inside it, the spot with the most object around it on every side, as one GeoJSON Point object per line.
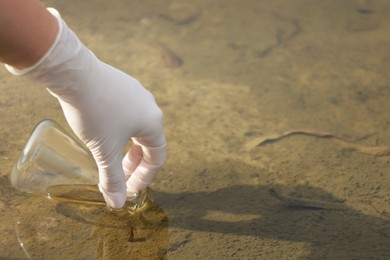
{"type": "Point", "coordinates": [52, 157]}
{"type": "Point", "coordinates": [57, 164]}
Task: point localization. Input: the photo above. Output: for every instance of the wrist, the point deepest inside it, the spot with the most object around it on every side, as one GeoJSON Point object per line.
{"type": "Point", "coordinates": [66, 67]}
{"type": "Point", "coordinates": [35, 55]}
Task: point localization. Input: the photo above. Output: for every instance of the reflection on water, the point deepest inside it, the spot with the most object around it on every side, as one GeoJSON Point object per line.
{"type": "Point", "coordinates": [51, 230]}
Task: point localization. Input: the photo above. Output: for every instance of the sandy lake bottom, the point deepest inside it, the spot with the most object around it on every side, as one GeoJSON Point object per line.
{"type": "Point", "coordinates": [226, 75]}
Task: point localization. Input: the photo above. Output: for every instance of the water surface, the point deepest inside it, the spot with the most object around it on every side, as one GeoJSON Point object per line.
{"type": "Point", "coordinates": [226, 74]}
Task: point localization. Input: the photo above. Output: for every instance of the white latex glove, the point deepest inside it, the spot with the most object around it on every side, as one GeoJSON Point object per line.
{"type": "Point", "coordinates": [106, 108]}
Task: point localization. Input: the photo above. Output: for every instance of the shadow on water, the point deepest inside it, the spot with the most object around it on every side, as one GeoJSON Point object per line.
{"type": "Point", "coordinates": [251, 211]}
{"type": "Point", "coordinates": [49, 229]}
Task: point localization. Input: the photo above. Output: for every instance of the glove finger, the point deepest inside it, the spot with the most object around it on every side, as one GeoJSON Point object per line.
{"type": "Point", "coordinates": [152, 161]}
{"type": "Point", "coordinates": [114, 199]}
{"type": "Point", "coordinates": [111, 177]}
{"type": "Point", "coordinates": [131, 160]}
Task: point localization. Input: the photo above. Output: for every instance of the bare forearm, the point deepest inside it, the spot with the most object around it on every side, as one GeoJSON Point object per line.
{"type": "Point", "coordinates": [27, 31]}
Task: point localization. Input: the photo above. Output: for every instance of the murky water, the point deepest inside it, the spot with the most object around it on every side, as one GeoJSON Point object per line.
{"type": "Point", "coordinates": [227, 74]}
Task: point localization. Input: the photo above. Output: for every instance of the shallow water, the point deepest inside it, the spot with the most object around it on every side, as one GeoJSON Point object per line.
{"type": "Point", "coordinates": [227, 74]}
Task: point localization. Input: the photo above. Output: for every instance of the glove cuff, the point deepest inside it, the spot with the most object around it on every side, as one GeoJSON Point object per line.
{"type": "Point", "coordinates": [66, 68]}
{"type": "Point", "coordinates": [19, 72]}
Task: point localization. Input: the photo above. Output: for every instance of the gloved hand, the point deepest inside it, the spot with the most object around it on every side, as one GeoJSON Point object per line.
{"type": "Point", "coordinates": [106, 108]}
